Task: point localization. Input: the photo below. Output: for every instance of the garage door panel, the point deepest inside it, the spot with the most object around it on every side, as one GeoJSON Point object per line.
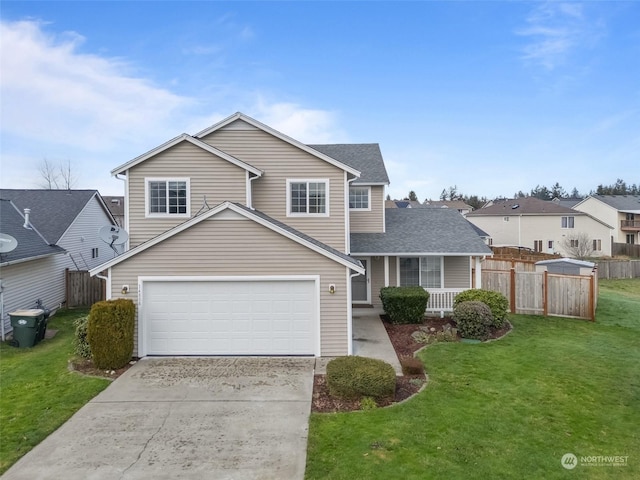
{"type": "Point", "coordinates": [271, 317]}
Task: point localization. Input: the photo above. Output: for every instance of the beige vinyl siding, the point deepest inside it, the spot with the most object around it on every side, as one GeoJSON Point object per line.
{"type": "Point", "coordinates": [209, 175]}
{"type": "Point", "coordinates": [457, 272]}
{"type": "Point", "coordinates": [25, 282]}
{"type": "Point", "coordinates": [227, 247]}
{"type": "Point", "coordinates": [369, 221]}
{"type": "Point", "coordinates": [281, 161]}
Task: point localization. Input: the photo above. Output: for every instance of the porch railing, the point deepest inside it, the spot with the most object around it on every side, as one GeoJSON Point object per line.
{"type": "Point", "coordinates": [441, 299]}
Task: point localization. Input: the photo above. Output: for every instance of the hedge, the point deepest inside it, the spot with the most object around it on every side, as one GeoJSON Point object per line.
{"type": "Point", "coordinates": [357, 377]}
{"type": "Point", "coordinates": [404, 304]}
{"type": "Point", "coordinates": [110, 333]}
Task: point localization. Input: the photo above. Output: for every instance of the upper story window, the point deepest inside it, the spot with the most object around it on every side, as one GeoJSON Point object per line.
{"type": "Point", "coordinates": [567, 222]}
{"type": "Point", "coordinates": [167, 197]}
{"type": "Point", "coordinates": [308, 198]}
{"type": "Point", "coordinates": [359, 198]}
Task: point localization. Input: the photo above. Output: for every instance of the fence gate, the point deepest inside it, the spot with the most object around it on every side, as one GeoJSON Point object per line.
{"type": "Point", "coordinates": [84, 290]}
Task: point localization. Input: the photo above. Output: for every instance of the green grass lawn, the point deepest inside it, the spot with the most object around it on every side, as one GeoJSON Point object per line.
{"type": "Point", "coordinates": [506, 409]}
{"type": "Point", "coordinates": [38, 393]}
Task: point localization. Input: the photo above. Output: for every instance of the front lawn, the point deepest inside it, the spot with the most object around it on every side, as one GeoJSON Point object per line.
{"type": "Point", "coordinates": [505, 409]}
{"type": "Point", "coordinates": [38, 393]}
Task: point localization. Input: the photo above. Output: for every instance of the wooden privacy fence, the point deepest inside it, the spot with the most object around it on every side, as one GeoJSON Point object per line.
{"type": "Point", "coordinates": [84, 290]}
{"type": "Point", "coordinates": [619, 269]}
{"type": "Point", "coordinates": [628, 249]}
{"type": "Point", "coordinates": [543, 293]}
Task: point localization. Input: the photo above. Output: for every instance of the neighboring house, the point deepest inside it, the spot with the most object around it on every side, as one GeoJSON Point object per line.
{"type": "Point", "coordinates": [244, 241]}
{"type": "Point", "coordinates": [540, 225]}
{"type": "Point", "coordinates": [566, 202]}
{"type": "Point", "coordinates": [458, 205]}
{"type": "Point", "coordinates": [67, 221]}
{"type": "Point", "coordinates": [622, 212]}
{"type": "Point", "coordinates": [25, 272]}
{"type": "Point", "coordinates": [403, 204]}
{"type": "Point", "coordinates": [116, 207]}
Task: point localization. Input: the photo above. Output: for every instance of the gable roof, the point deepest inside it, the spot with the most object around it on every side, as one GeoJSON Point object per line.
{"type": "Point", "coordinates": [623, 203]}
{"type": "Point", "coordinates": [421, 231]}
{"type": "Point", "coordinates": [457, 204]}
{"type": "Point", "coordinates": [265, 128]}
{"type": "Point", "coordinates": [254, 215]}
{"type": "Point", "coordinates": [31, 244]}
{"type": "Point", "coordinates": [194, 141]}
{"type": "Point", "coordinates": [53, 211]}
{"type": "Point", "coordinates": [365, 157]}
{"type": "Point", "coordinates": [523, 206]}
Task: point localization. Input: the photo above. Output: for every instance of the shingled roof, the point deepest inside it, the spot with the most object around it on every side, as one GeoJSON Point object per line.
{"type": "Point", "coordinates": [52, 211]}
{"type": "Point", "coordinates": [523, 206]}
{"type": "Point", "coordinates": [421, 231]}
{"type": "Point", "coordinates": [30, 243]}
{"type": "Point", "coordinates": [624, 203]}
{"type": "Point", "coordinates": [365, 157]}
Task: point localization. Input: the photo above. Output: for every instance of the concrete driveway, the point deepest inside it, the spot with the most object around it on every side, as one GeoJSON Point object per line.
{"type": "Point", "coordinates": [183, 418]}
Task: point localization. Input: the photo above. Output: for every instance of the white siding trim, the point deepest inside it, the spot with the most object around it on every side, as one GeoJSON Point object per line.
{"type": "Point", "coordinates": [142, 347]}
{"type": "Point", "coordinates": [386, 271]}
{"type": "Point", "coordinates": [349, 313]}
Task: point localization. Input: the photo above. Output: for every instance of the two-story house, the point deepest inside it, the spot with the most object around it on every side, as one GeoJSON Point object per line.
{"type": "Point", "coordinates": [543, 226]}
{"type": "Point", "coordinates": [622, 212]}
{"type": "Point", "coordinates": [246, 241]}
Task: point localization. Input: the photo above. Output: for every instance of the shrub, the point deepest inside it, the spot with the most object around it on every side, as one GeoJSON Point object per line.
{"type": "Point", "coordinates": [404, 304]}
{"type": "Point", "coordinates": [80, 344]}
{"type": "Point", "coordinates": [497, 303]}
{"type": "Point", "coordinates": [110, 333]}
{"type": "Point", "coordinates": [412, 366]}
{"type": "Point", "coordinates": [356, 377]}
{"type": "Point", "coordinates": [473, 319]}
{"type": "Point", "coordinates": [368, 403]}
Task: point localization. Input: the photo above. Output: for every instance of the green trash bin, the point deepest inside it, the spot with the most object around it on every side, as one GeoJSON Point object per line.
{"type": "Point", "coordinates": [26, 326]}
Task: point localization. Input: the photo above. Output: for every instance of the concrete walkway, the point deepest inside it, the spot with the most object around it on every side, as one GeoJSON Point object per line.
{"type": "Point", "coordinates": [187, 418]}
{"type": "Point", "coordinates": [370, 339]}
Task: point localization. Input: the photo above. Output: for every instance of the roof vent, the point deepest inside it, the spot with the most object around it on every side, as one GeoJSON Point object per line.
{"type": "Point", "coordinates": [513, 207]}
{"type": "Point", "coordinates": [27, 222]}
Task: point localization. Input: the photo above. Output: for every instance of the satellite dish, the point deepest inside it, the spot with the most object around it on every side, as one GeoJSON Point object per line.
{"type": "Point", "coordinates": [113, 235]}
{"type": "Point", "coordinates": [7, 243]}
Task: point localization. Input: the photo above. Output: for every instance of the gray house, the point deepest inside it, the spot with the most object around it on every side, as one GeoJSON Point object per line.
{"type": "Point", "coordinates": [56, 230]}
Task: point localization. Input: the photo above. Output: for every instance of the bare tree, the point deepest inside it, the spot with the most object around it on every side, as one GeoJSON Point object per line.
{"type": "Point", "coordinates": [49, 175]}
{"type": "Point", "coordinates": [578, 245]}
{"type": "Point", "coordinates": [68, 179]}
{"type": "Point", "coordinates": [56, 177]}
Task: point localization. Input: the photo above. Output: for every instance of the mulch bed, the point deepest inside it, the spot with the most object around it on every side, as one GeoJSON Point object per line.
{"type": "Point", "coordinates": [405, 347]}
{"type": "Point", "coordinates": [86, 367]}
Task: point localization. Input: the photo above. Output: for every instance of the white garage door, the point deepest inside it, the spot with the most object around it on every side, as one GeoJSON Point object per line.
{"type": "Point", "coordinates": [264, 317]}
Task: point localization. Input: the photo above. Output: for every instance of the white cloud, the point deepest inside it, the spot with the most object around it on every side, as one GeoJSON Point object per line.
{"type": "Point", "coordinates": [556, 30]}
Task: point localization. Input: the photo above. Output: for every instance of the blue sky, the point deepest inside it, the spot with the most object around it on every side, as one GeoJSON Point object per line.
{"type": "Point", "coordinates": [493, 97]}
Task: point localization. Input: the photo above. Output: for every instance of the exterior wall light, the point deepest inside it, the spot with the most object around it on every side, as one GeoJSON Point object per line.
{"type": "Point", "coordinates": [332, 289]}
{"type": "Point", "coordinates": [125, 289]}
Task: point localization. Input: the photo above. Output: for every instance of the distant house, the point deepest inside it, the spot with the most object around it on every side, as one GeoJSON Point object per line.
{"type": "Point", "coordinates": [116, 207]}
{"type": "Point", "coordinates": [402, 204]}
{"type": "Point", "coordinates": [56, 230]}
{"type": "Point", "coordinates": [458, 205]}
{"type": "Point", "coordinates": [543, 226]}
{"type": "Point", "coordinates": [622, 212]}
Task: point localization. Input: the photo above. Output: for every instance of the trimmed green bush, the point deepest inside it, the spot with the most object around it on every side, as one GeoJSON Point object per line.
{"type": "Point", "coordinates": [80, 344]}
{"type": "Point", "coordinates": [110, 333]}
{"type": "Point", "coordinates": [497, 303]}
{"type": "Point", "coordinates": [474, 319]}
{"type": "Point", "coordinates": [404, 304]}
{"type": "Point", "coordinates": [412, 366]}
{"type": "Point", "coordinates": [357, 377]}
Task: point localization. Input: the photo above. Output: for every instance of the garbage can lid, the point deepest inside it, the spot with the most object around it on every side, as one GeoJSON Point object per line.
{"type": "Point", "coordinates": [28, 312]}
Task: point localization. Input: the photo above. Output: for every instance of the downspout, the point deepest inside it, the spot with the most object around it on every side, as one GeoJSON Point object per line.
{"type": "Point", "coordinates": [347, 216]}
{"type": "Point", "coordinates": [126, 205]}
{"type": "Point", "coordinates": [250, 190]}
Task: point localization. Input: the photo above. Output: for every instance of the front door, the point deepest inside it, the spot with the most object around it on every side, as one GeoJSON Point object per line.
{"type": "Point", "coordinates": [360, 285]}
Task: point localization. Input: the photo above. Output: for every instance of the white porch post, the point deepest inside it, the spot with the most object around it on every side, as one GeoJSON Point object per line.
{"type": "Point", "coordinates": [478, 268]}
{"type": "Point", "coordinates": [386, 271]}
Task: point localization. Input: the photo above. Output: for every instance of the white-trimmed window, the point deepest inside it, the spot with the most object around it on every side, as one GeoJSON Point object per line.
{"type": "Point", "coordinates": [308, 197]}
{"type": "Point", "coordinates": [568, 222]}
{"type": "Point", "coordinates": [359, 198]}
{"type": "Point", "coordinates": [167, 197]}
{"type": "Point", "coordinates": [597, 245]}
{"type": "Point", "coordinates": [423, 271]}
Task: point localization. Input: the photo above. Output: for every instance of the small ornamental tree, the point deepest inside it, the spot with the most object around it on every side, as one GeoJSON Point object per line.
{"type": "Point", "coordinates": [110, 333]}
